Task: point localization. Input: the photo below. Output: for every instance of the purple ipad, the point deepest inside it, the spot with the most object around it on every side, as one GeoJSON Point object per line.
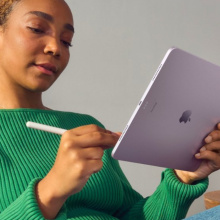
{"type": "Point", "coordinates": [177, 111]}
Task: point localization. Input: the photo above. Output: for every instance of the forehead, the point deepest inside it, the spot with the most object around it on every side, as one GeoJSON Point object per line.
{"type": "Point", "coordinates": [58, 9]}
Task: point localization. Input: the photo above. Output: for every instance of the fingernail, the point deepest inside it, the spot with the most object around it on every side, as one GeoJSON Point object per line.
{"type": "Point", "coordinates": [208, 139]}
{"type": "Point", "coordinates": [203, 149]}
{"type": "Point", "coordinates": [197, 155]}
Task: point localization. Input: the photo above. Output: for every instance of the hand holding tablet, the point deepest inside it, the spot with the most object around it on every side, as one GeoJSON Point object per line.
{"type": "Point", "coordinates": [175, 114]}
{"type": "Point", "coordinates": [210, 154]}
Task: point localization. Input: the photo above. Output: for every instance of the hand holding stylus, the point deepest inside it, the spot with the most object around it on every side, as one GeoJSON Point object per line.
{"type": "Point", "coordinates": [78, 157]}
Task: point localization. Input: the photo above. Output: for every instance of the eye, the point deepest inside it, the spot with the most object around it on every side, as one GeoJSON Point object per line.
{"type": "Point", "coordinates": [36, 30]}
{"type": "Point", "coordinates": [67, 44]}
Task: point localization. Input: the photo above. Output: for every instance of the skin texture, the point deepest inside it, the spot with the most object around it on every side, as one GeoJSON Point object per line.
{"type": "Point", "coordinates": [22, 83]}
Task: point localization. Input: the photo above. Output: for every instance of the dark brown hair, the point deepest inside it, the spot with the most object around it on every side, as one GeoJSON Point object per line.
{"type": "Point", "coordinates": [6, 6]}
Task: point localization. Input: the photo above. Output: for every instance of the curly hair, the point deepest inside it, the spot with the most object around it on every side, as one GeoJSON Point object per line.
{"type": "Point", "coordinates": [6, 6]}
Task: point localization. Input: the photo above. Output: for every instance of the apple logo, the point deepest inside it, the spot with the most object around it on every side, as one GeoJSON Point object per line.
{"type": "Point", "coordinates": [185, 116]}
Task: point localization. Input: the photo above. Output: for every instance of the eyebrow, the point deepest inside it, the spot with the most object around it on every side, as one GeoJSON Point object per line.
{"type": "Point", "coordinates": [50, 19]}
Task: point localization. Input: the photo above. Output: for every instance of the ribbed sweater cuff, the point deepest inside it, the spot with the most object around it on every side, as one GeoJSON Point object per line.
{"type": "Point", "coordinates": [172, 198]}
{"type": "Point", "coordinates": [177, 189]}
{"type": "Point", "coordinates": [26, 206]}
{"type": "Point", "coordinates": [179, 194]}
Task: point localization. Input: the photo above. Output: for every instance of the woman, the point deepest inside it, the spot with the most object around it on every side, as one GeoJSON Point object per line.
{"type": "Point", "coordinates": [74, 176]}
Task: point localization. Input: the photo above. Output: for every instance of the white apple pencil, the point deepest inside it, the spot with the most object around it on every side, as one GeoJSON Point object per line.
{"type": "Point", "coordinates": [47, 128]}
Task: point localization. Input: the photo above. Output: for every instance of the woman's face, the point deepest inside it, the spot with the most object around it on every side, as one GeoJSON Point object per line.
{"type": "Point", "coordinates": [35, 41]}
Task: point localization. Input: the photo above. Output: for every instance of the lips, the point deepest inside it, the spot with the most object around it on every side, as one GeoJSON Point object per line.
{"type": "Point", "coordinates": [47, 66]}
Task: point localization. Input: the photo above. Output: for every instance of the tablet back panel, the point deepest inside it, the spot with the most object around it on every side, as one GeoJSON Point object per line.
{"type": "Point", "coordinates": [179, 108]}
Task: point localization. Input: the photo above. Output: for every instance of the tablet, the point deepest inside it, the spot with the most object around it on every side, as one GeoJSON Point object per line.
{"type": "Point", "coordinates": [179, 108]}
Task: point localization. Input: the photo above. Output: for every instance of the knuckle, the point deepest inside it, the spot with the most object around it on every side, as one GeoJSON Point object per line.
{"type": "Point", "coordinates": [67, 134]}
{"type": "Point", "coordinates": [75, 155]}
{"type": "Point", "coordinates": [81, 169]}
{"type": "Point", "coordinates": [68, 144]}
{"type": "Point", "coordinates": [99, 136]}
{"type": "Point", "coordinates": [95, 127]}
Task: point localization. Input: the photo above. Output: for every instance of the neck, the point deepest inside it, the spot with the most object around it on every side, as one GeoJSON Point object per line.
{"type": "Point", "coordinates": [43, 107]}
{"type": "Point", "coordinates": [20, 98]}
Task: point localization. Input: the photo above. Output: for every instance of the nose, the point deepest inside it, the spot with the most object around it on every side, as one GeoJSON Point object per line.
{"type": "Point", "coordinates": [53, 47]}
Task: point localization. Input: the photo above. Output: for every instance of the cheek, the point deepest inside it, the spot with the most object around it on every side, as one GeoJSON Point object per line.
{"type": "Point", "coordinates": [22, 50]}
{"type": "Point", "coordinates": [26, 46]}
{"type": "Point", "coordinates": [66, 57]}
{"type": "Point", "coordinates": [19, 50]}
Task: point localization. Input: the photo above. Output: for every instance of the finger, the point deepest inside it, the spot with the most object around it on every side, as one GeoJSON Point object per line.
{"type": "Point", "coordinates": [93, 153]}
{"type": "Point", "coordinates": [213, 136]}
{"type": "Point", "coordinates": [87, 167]}
{"type": "Point", "coordinates": [98, 139]}
{"type": "Point", "coordinates": [213, 146]}
{"type": "Point", "coordinates": [94, 166]}
{"type": "Point", "coordinates": [213, 157]}
{"type": "Point", "coordinates": [118, 133]}
{"type": "Point", "coordinates": [82, 130]}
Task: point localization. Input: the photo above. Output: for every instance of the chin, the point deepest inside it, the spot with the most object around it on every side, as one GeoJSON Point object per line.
{"type": "Point", "coordinates": [38, 85]}
{"type": "Point", "coordinates": [38, 88]}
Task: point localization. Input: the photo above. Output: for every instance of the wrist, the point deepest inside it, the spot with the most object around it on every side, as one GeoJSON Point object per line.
{"type": "Point", "coordinates": [184, 177]}
{"type": "Point", "coordinates": [48, 202]}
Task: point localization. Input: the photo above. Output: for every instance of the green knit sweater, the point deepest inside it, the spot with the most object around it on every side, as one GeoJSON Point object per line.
{"type": "Point", "coordinates": [27, 155]}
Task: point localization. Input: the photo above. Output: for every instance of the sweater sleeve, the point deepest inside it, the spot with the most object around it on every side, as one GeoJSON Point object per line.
{"type": "Point", "coordinates": [25, 207]}
{"type": "Point", "coordinates": [171, 200]}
